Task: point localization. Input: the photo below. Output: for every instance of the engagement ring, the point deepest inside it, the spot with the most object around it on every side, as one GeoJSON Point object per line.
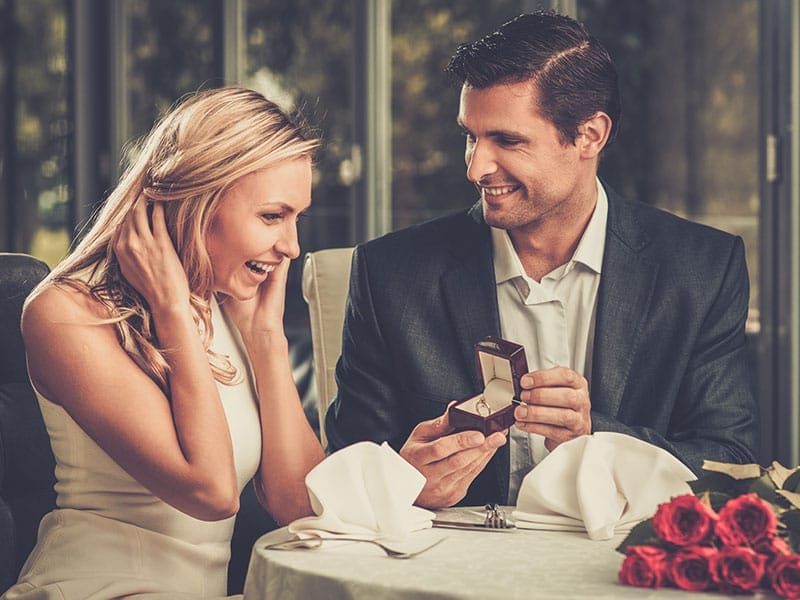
{"type": "Point", "coordinates": [482, 408]}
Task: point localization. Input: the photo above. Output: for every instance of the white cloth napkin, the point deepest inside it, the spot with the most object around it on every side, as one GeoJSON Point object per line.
{"type": "Point", "coordinates": [601, 483]}
{"type": "Point", "coordinates": [366, 491]}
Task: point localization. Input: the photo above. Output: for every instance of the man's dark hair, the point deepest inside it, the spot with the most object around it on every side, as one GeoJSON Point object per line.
{"type": "Point", "coordinates": [572, 71]}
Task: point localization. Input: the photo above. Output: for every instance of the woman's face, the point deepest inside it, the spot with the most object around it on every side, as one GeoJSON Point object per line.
{"type": "Point", "coordinates": [255, 226]}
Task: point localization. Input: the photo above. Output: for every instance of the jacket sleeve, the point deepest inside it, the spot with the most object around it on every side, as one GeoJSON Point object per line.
{"type": "Point", "coordinates": [715, 415]}
{"type": "Point", "coordinates": [367, 405]}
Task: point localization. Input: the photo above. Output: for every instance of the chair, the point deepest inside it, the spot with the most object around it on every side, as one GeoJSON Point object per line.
{"type": "Point", "coordinates": [26, 460]}
{"type": "Point", "coordinates": [326, 277]}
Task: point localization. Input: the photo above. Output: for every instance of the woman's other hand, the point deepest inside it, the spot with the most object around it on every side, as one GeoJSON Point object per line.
{"type": "Point", "coordinates": [148, 260]}
{"type": "Point", "coordinates": [262, 315]}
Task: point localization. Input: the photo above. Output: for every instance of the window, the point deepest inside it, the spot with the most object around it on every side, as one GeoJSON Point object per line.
{"type": "Point", "coordinates": [428, 172]}
{"type": "Point", "coordinates": [36, 130]}
{"type": "Point", "coordinates": [689, 142]}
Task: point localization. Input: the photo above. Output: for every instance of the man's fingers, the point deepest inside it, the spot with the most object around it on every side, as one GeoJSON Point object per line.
{"type": "Point", "coordinates": [553, 377]}
{"type": "Point", "coordinates": [426, 452]}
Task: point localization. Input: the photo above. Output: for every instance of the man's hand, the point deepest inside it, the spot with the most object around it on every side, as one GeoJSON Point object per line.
{"type": "Point", "coordinates": [449, 461]}
{"type": "Point", "coordinates": [556, 405]}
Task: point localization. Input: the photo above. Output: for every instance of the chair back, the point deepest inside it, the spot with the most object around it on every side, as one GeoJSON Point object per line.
{"type": "Point", "coordinates": [326, 278]}
{"type": "Point", "coordinates": [26, 460]}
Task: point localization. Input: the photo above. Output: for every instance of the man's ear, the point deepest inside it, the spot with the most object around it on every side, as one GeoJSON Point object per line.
{"type": "Point", "coordinates": [593, 134]}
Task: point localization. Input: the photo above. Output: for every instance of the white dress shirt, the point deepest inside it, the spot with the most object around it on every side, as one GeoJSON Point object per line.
{"type": "Point", "coordinates": [553, 319]}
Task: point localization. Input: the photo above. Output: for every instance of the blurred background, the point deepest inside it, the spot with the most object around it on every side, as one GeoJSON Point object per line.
{"type": "Point", "coordinates": [711, 104]}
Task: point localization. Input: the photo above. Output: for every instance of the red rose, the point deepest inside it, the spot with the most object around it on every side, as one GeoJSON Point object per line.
{"type": "Point", "coordinates": [784, 575]}
{"type": "Point", "coordinates": [684, 521]}
{"type": "Point", "coordinates": [689, 568]}
{"type": "Point", "coordinates": [771, 547]}
{"type": "Point", "coordinates": [745, 520]}
{"type": "Point", "coordinates": [645, 566]}
{"type": "Point", "coordinates": [737, 569]}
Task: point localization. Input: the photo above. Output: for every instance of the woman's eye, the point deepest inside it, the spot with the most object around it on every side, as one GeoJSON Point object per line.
{"type": "Point", "coordinates": [271, 216]}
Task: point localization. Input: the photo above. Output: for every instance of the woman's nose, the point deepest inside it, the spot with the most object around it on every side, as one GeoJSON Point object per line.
{"type": "Point", "coordinates": [288, 244]}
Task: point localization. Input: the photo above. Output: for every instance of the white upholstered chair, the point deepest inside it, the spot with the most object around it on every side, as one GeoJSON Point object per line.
{"type": "Point", "coordinates": [326, 277]}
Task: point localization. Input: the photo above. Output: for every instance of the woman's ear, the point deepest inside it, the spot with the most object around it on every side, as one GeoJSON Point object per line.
{"type": "Point", "coordinates": [593, 134]}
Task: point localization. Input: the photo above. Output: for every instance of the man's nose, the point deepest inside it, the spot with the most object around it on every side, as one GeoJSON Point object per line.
{"type": "Point", "coordinates": [480, 161]}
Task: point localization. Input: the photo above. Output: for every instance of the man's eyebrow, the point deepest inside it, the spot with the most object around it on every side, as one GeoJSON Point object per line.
{"type": "Point", "coordinates": [495, 133]}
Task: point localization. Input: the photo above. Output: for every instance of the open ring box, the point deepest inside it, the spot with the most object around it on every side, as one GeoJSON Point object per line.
{"type": "Point", "coordinates": [501, 364]}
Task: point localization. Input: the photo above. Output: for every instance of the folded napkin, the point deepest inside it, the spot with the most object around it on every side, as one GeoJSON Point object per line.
{"type": "Point", "coordinates": [601, 483]}
{"type": "Point", "coordinates": [364, 490]}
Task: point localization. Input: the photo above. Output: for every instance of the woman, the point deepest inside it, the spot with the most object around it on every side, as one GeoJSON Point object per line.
{"type": "Point", "coordinates": [159, 359]}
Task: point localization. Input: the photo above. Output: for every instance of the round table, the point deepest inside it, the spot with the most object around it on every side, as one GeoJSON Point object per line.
{"type": "Point", "coordinates": [467, 564]}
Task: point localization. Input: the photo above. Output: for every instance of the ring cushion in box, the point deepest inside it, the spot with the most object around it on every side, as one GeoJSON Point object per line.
{"type": "Point", "coordinates": [501, 364]}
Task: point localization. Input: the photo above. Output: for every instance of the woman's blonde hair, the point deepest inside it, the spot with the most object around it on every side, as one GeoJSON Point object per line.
{"type": "Point", "coordinates": [192, 156]}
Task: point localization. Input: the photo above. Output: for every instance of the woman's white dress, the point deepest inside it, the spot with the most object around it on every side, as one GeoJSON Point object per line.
{"type": "Point", "coordinates": [110, 537]}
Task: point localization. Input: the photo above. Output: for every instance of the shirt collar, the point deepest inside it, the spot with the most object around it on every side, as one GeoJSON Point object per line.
{"type": "Point", "coordinates": [589, 251]}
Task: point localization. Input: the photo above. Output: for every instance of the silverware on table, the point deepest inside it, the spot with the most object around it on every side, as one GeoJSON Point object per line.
{"type": "Point", "coordinates": [315, 541]}
{"type": "Point", "coordinates": [494, 519]}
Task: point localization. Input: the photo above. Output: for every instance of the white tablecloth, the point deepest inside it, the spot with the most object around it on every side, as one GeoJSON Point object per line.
{"type": "Point", "coordinates": [468, 564]}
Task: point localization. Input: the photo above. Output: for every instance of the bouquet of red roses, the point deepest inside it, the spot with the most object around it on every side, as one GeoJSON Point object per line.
{"type": "Point", "coordinates": [739, 532]}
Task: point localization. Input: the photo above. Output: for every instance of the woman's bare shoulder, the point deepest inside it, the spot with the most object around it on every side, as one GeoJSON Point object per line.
{"type": "Point", "coordinates": [58, 304]}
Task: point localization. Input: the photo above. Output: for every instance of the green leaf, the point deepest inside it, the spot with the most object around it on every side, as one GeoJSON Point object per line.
{"type": "Point", "coordinates": [736, 471]}
{"type": "Point", "coordinates": [642, 534]}
{"type": "Point", "coordinates": [720, 482]}
{"type": "Point", "coordinates": [791, 519]}
{"type": "Point", "coordinates": [764, 487]}
{"type": "Point", "coordinates": [792, 482]}
{"type": "Point", "coordinates": [718, 499]}
{"type": "Point", "coordinates": [792, 497]}
{"type": "Point", "coordinates": [779, 474]}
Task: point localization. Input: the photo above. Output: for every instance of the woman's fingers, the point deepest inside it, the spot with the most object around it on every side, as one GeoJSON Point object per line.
{"type": "Point", "coordinates": [140, 223]}
{"type": "Point", "coordinates": [159, 221]}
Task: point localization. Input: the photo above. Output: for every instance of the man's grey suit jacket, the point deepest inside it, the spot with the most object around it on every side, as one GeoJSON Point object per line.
{"type": "Point", "coordinates": [669, 363]}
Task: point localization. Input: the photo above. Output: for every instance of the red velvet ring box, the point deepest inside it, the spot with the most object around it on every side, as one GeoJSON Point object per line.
{"type": "Point", "coordinates": [501, 364]}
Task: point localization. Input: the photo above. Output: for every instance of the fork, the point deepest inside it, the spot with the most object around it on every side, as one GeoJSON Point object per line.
{"type": "Point", "coordinates": [316, 542]}
{"type": "Point", "coordinates": [496, 518]}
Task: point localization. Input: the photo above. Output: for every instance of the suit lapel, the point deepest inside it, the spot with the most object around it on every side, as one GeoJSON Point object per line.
{"type": "Point", "coordinates": [469, 293]}
{"type": "Point", "coordinates": [470, 297]}
{"type": "Point", "coordinates": [626, 288]}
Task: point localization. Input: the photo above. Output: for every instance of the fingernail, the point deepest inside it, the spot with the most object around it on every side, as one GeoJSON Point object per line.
{"type": "Point", "coordinates": [521, 412]}
{"type": "Point", "coordinates": [526, 380]}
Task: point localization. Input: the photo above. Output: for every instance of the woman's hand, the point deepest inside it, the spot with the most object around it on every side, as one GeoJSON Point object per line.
{"type": "Point", "coordinates": [261, 317]}
{"type": "Point", "coordinates": [148, 260]}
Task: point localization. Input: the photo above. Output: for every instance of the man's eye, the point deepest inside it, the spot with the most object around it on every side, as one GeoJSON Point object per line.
{"type": "Point", "coordinates": [508, 141]}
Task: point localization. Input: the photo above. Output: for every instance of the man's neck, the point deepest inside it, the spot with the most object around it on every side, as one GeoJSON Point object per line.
{"type": "Point", "coordinates": [549, 243]}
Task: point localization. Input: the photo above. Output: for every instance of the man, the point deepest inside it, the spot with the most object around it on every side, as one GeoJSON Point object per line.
{"type": "Point", "coordinates": [632, 319]}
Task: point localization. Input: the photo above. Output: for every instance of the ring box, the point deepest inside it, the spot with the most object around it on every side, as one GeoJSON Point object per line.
{"type": "Point", "coordinates": [502, 364]}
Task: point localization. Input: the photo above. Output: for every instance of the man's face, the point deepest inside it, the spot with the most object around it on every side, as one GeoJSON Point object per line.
{"type": "Point", "coordinates": [526, 174]}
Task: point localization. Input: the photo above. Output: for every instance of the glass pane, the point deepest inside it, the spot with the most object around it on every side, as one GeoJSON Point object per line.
{"type": "Point", "coordinates": [39, 164]}
{"type": "Point", "coordinates": [171, 53]}
{"type": "Point", "coordinates": [690, 94]}
{"type": "Point", "coordinates": [299, 53]}
{"type": "Point", "coordinates": [428, 175]}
